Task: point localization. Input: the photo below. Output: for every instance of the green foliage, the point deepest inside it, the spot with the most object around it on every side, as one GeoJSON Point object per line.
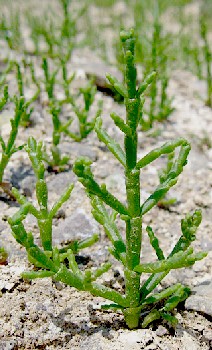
{"type": "Point", "coordinates": [163, 173]}
{"type": "Point", "coordinates": [58, 36]}
{"type": "Point", "coordinates": [154, 55]}
{"type": "Point", "coordinates": [138, 299]}
{"type": "Point", "coordinates": [86, 124]}
{"type": "Point", "coordinates": [57, 162]}
{"type": "Point", "coordinates": [10, 30]}
{"type": "Point", "coordinates": [44, 216]}
{"type": "Point", "coordinates": [207, 58]}
{"type": "Point", "coordinates": [3, 256]}
{"type": "Point", "coordinates": [25, 119]}
{"type": "Point", "coordinates": [9, 147]}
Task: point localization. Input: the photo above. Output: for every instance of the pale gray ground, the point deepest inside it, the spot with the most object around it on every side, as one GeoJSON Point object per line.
{"type": "Point", "coordinates": [44, 315]}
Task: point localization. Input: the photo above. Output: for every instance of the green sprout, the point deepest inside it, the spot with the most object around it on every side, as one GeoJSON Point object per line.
{"type": "Point", "coordinates": [85, 124]}
{"type": "Point", "coordinates": [57, 162]}
{"type": "Point", "coordinates": [58, 36]}
{"type": "Point", "coordinates": [207, 58]}
{"type": "Point", "coordinates": [3, 256]}
{"type": "Point", "coordinates": [10, 30]}
{"type": "Point", "coordinates": [47, 256]}
{"type": "Point", "coordinates": [25, 119]}
{"type": "Point", "coordinates": [9, 148]}
{"type": "Point", "coordinates": [160, 105]}
{"type": "Point", "coordinates": [49, 79]}
{"type": "Point", "coordinates": [44, 216]}
{"type": "Point", "coordinates": [139, 303]}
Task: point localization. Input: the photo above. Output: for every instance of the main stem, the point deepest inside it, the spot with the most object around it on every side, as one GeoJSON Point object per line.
{"type": "Point", "coordinates": [134, 223]}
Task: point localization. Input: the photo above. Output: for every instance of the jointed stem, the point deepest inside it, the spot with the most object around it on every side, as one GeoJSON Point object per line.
{"type": "Point", "coordinates": [132, 176]}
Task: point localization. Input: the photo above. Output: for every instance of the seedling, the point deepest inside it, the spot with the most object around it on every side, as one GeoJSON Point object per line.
{"type": "Point", "coordinates": [44, 216]}
{"type": "Point", "coordinates": [138, 301]}
{"type": "Point", "coordinates": [3, 256]}
{"type": "Point", "coordinates": [9, 147]}
{"type": "Point", "coordinates": [208, 59]}
{"type": "Point", "coordinates": [49, 79]}
{"type": "Point", "coordinates": [57, 35]}
{"type": "Point", "coordinates": [47, 255]}
{"type": "Point", "coordinates": [10, 30]}
{"type": "Point", "coordinates": [57, 162]}
{"type": "Point", "coordinates": [83, 114]}
{"type": "Point", "coordinates": [25, 119]}
{"type": "Point", "coordinates": [160, 105]}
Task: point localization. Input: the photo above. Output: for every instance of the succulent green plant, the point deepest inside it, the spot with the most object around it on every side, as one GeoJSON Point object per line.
{"type": "Point", "coordinates": [3, 256]}
{"type": "Point", "coordinates": [10, 30]}
{"type": "Point", "coordinates": [25, 118]}
{"type": "Point", "coordinates": [160, 104]}
{"type": "Point", "coordinates": [128, 251]}
{"type": "Point", "coordinates": [86, 124]}
{"type": "Point", "coordinates": [44, 216]}
{"type": "Point", "coordinates": [139, 300]}
{"type": "Point", "coordinates": [207, 58]}
{"type": "Point", "coordinates": [57, 162]}
{"type": "Point", "coordinates": [9, 148]}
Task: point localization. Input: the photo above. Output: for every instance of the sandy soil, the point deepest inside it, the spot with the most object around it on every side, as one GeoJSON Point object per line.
{"type": "Point", "coordinates": [42, 314]}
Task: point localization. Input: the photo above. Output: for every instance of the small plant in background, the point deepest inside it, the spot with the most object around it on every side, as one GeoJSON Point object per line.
{"type": "Point", "coordinates": [43, 215]}
{"type": "Point", "coordinates": [10, 30]}
{"type": "Point", "coordinates": [58, 36]}
{"type": "Point", "coordinates": [207, 58]}
{"type": "Point", "coordinates": [86, 124]}
{"type": "Point", "coordinates": [160, 105]}
{"type": "Point", "coordinates": [138, 301]}
{"type": "Point", "coordinates": [25, 119]}
{"type": "Point", "coordinates": [67, 80]}
{"type": "Point", "coordinates": [49, 79]}
{"type": "Point", "coordinates": [9, 148]}
{"type": "Point", "coordinates": [5, 72]}
{"type": "Point", "coordinates": [3, 257]}
{"type": "Point", "coordinates": [47, 255]}
{"type": "Point", "coordinates": [57, 162]}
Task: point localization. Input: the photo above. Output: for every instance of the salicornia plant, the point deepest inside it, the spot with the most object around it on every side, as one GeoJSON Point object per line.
{"type": "Point", "coordinates": [49, 79]}
{"type": "Point", "coordinates": [43, 215]}
{"type": "Point", "coordinates": [207, 58]}
{"type": "Point", "coordinates": [160, 105]}
{"type": "Point", "coordinates": [46, 256]}
{"type": "Point", "coordinates": [57, 162]}
{"type": "Point", "coordinates": [86, 125]}
{"type": "Point", "coordinates": [9, 148]}
{"type": "Point", "coordinates": [138, 301]}
{"type": "Point", "coordinates": [25, 118]}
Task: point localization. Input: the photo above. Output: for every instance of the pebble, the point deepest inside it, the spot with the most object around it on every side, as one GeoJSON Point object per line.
{"type": "Point", "coordinates": [58, 183]}
{"type": "Point", "coordinates": [161, 331]}
{"type": "Point", "coordinates": [202, 299]}
{"type": "Point", "coordinates": [77, 226]}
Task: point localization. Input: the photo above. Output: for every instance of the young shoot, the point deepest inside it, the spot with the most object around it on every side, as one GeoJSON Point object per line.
{"type": "Point", "coordinates": [45, 257]}
{"type": "Point", "coordinates": [25, 119]}
{"type": "Point", "coordinates": [8, 148]}
{"type": "Point", "coordinates": [57, 162]}
{"type": "Point", "coordinates": [207, 58]}
{"type": "Point", "coordinates": [86, 124]}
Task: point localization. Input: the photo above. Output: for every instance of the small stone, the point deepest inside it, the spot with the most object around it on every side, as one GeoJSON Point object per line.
{"type": "Point", "coordinates": [58, 183]}
{"type": "Point", "coordinates": [8, 345]}
{"type": "Point", "coordinates": [202, 299]}
{"type": "Point", "coordinates": [77, 226]}
{"type": "Point", "coordinates": [79, 150]}
{"type": "Point", "coordinates": [161, 331]}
